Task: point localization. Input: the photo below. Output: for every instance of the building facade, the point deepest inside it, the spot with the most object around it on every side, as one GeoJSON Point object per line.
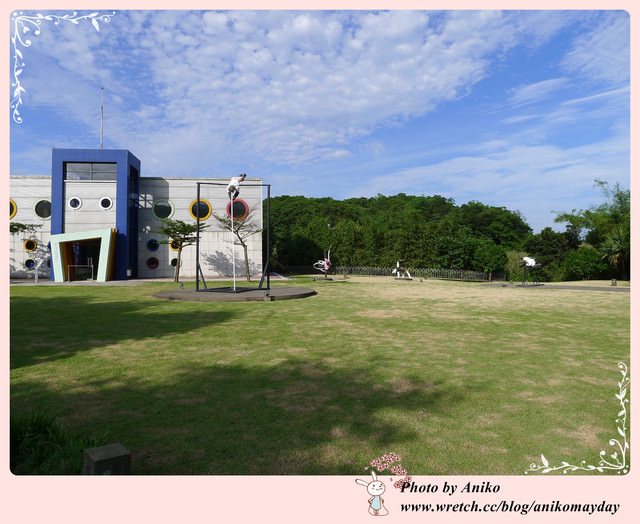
{"type": "Point", "coordinates": [97, 218]}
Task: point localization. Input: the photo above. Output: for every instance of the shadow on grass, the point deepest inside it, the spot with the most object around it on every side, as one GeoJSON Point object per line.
{"type": "Point", "coordinates": [299, 417]}
{"type": "Point", "coordinates": [50, 328]}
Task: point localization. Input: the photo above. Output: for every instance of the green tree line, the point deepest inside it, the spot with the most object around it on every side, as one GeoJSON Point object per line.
{"type": "Point", "coordinates": [433, 232]}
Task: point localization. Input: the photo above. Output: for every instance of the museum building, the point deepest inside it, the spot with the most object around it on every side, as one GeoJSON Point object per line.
{"type": "Point", "coordinates": [97, 218]}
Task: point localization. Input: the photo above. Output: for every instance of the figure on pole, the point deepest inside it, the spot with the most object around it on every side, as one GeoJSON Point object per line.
{"type": "Point", "coordinates": [401, 273]}
{"type": "Point", "coordinates": [530, 263]}
{"type": "Point", "coordinates": [324, 265]}
{"type": "Point", "coordinates": [233, 189]}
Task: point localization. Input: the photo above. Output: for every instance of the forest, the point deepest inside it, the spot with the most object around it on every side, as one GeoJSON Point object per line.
{"type": "Point", "coordinates": [433, 232]}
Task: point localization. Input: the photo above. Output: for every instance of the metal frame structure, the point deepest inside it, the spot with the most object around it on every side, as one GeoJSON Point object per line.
{"type": "Point", "coordinates": [265, 266]}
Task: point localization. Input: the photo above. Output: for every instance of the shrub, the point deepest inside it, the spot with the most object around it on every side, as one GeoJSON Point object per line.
{"type": "Point", "coordinates": [40, 445]}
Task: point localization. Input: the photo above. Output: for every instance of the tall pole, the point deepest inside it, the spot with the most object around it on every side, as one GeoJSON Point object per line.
{"type": "Point", "coordinates": [101, 114]}
{"type": "Point", "coordinates": [233, 248]}
{"type": "Point", "coordinates": [198, 239]}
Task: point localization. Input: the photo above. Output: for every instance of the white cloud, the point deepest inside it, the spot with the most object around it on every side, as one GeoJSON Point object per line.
{"type": "Point", "coordinates": [603, 53]}
{"type": "Point", "coordinates": [532, 93]}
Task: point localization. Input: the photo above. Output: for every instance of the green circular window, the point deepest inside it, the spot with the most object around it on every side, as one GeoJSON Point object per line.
{"type": "Point", "coordinates": [30, 245]}
{"type": "Point", "coordinates": [200, 209]}
{"type": "Point", "coordinates": [13, 209]}
{"type": "Point", "coordinates": [162, 209]}
{"type": "Point", "coordinates": [42, 209]}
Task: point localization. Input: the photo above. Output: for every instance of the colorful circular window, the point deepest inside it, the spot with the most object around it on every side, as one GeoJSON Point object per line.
{"type": "Point", "coordinates": [153, 244]}
{"type": "Point", "coordinates": [152, 263]}
{"type": "Point", "coordinates": [162, 209]}
{"type": "Point", "coordinates": [42, 209]}
{"type": "Point", "coordinates": [240, 209]}
{"type": "Point", "coordinates": [13, 209]}
{"type": "Point", "coordinates": [30, 263]}
{"type": "Point", "coordinates": [175, 245]}
{"type": "Point", "coordinates": [30, 245]}
{"type": "Point", "coordinates": [74, 203]}
{"type": "Point", "coordinates": [200, 209]}
{"type": "Point", "coordinates": [106, 203]}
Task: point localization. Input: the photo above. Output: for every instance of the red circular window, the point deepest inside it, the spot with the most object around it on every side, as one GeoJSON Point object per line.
{"type": "Point", "coordinates": [152, 263]}
{"type": "Point", "coordinates": [240, 209]}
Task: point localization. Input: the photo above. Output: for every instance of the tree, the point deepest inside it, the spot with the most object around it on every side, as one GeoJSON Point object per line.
{"type": "Point", "coordinates": [599, 221]}
{"type": "Point", "coordinates": [180, 235]}
{"type": "Point", "coordinates": [616, 248]}
{"type": "Point", "coordinates": [489, 257]}
{"type": "Point", "coordinates": [242, 228]}
{"type": "Point", "coordinates": [586, 262]}
{"type": "Point", "coordinates": [607, 226]}
{"type": "Point", "coordinates": [18, 227]}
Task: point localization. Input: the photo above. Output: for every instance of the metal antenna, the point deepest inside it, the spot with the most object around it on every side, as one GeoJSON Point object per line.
{"type": "Point", "coordinates": [101, 114]}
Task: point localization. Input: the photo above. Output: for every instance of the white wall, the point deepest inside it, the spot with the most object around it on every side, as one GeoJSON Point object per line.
{"type": "Point", "coordinates": [26, 191]}
{"type": "Point", "coordinates": [90, 215]}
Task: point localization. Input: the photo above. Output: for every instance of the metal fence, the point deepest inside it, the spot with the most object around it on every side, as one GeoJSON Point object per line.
{"type": "Point", "coordinates": [434, 274]}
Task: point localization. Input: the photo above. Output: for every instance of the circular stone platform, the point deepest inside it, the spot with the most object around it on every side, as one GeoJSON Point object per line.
{"type": "Point", "coordinates": [227, 294]}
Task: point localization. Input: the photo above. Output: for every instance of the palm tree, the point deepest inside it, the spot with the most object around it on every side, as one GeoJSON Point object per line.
{"type": "Point", "coordinates": [615, 249]}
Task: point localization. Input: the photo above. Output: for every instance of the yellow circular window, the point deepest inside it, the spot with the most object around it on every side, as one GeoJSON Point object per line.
{"type": "Point", "coordinates": [200, 209]}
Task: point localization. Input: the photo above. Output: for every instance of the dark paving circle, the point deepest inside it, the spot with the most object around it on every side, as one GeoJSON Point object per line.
{"type": "Point", "coordinates": [228, 294]}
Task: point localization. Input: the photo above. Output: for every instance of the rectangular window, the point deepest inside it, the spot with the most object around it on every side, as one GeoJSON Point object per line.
{"type": "Point", "coordinates": [90, 170]}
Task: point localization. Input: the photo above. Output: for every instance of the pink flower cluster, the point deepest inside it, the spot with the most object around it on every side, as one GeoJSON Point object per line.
{"type": "Point", "coordinates": [386, 461]}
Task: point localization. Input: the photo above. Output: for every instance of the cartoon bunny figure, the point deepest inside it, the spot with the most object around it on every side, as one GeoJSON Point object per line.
{"type": "Point", "coordinates": [375, 488]}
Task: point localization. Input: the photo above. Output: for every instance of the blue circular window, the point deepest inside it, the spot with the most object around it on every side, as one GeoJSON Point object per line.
{"type": "Point", "coordinates": [153, 244]}
{"type": "Point", "coordinates": [75, 203]}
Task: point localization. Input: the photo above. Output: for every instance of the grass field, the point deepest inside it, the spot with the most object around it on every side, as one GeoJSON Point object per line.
{"type": "Point", "coordinates": [456, 378]}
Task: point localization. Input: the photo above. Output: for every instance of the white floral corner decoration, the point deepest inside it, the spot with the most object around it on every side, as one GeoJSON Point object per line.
{"type": "Point", "coordinates": [27, 26]}
{"type": "Point", "coordinates": [616, 461]}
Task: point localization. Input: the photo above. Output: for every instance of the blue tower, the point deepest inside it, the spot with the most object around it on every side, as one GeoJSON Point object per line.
{"type": "Point", "coordinates": [94, 213]}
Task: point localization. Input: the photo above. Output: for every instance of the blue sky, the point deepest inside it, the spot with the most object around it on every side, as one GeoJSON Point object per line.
{"type": "Point", "coordinates": [521, 109]}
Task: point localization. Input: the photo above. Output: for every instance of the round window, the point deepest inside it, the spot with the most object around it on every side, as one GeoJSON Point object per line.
{"type": "Point", "coordinates": [74, 203]}
{"type": "Point", "coordinates": [13, 209]}
{"type": "Point", "coordinates": [175, 245]}
{"type": "Point", "coordinates": [200, 209]}
{"type": "Point", "coordinates": [162, 209]}
{"type": "Point", "coordinates": [153, 244]}
{"type": "Point", "coordinates": [30, 263]}
{"type": "Point", "coordinates": [174, 262]}
{"type": "Point", "coordinates": [42, 209]}
{"type": "Point", "coordinates": [30, 245]}
{"type": "Point", "coordinates": [240, 209]}
{"type": "Point", "coordinates": [106, 203]}
{"type": "Point", "coordinates": [152, 263]}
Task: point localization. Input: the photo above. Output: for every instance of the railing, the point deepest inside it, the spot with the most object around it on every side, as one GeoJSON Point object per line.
{"type": "Point", "coordinates": [436, 274]}
{"type": "Point", "coordinates": [372, 271]}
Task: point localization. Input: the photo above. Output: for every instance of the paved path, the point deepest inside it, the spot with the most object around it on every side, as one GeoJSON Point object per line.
{"type": "Point", "coordinates": [619, 289]}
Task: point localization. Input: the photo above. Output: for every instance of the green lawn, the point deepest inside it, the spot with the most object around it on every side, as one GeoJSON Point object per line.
{"type": "Point", "coordinates": [456, 378]}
